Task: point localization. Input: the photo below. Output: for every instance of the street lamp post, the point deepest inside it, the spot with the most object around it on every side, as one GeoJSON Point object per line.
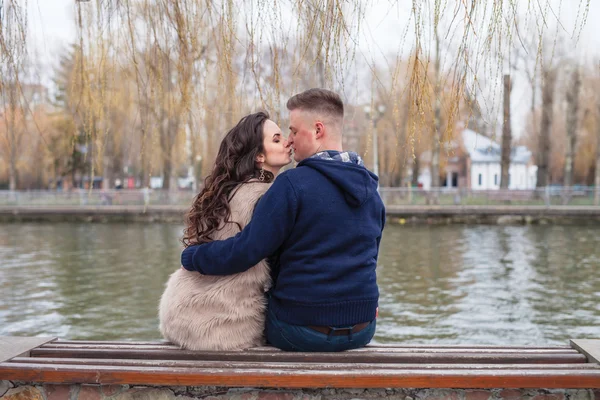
{"type": "Point", "coordinates": [375, 118]}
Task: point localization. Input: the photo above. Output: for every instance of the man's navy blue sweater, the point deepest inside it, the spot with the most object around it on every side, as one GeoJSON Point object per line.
{"type": "Point", "coordinates": [324, 219]}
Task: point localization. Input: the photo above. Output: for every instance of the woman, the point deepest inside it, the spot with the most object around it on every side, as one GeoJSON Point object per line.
{"type": "Point", "coordinates": [199, 312]}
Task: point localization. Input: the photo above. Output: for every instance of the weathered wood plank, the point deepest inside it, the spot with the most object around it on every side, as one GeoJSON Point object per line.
{"type": "Point", "coordinates": [353, 357]}
{"type": "Point", "coordinates": [414, 378]}
{"type": "Point", "coordinates": [13, 346]}
{"type": "Point", "coordinates": [34, 361]}
{"type": "Point", "coordinates": [509, 350]}
{"type": "Point", "coordinates": [55, 345]}
{"type": "Point", "coordinates": [434, 346]}
{"type": "Point", "coordinates": [589, 347]}
{"type": "Point", "coordinates": [270, 348]}
{"type": "Point", "coordinates": [118, 342]}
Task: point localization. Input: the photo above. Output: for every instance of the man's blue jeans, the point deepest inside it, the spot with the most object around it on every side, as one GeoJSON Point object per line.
{"type": "Point", "coordinates": [301, 338]}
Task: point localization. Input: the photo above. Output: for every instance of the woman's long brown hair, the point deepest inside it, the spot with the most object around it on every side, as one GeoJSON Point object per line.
{"type": "Point", "coordinates": [235, 164]}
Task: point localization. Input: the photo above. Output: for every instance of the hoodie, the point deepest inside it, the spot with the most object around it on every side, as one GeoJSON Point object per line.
{"type": "Point", "coordinates": [323, 220]}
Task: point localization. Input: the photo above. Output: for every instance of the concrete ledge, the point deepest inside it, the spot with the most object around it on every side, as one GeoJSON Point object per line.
{"type": "Point", "coordinates": [494, 215]}
{"type": "Point", "coordinates": [24, 391]}
{"type": "Point", "coordinates": [102, 214]}
{"type": "Point", "coordinates": [569, 211]}
{"type": "Point", "coordinates": [516, 215]}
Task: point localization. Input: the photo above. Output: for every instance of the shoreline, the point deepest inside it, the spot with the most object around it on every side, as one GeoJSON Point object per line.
{"type": "Point", "coordinates": [402, 215]}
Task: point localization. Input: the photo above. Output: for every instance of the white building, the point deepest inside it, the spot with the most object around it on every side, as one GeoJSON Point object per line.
{"type": "Point", "coordinates": [483, 164]}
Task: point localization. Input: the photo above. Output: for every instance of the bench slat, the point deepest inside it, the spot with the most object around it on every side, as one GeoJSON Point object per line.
{"type": "Point", "coordinates": [363, 350]}
{"type": "Point", "coordinates": [368, 347]}
{"type": "Point", "coordinates": [414, 378]}
{"type": "Point", "coordinates": [514, 349]}
{"type": "Point", "coordinates": [442, 346]}
{"type": "Point", "coordinates": [121, 342]}
{"type": "Point", "coordinates": [363, 357]}
{"type": "Point", "coordinates": [34, 361]}
{"type": "Point", "coordinates": [115, 347]}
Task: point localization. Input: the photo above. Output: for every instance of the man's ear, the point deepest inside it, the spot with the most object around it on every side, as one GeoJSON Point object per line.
{"type": "Point", "coordinates": [319, 130]}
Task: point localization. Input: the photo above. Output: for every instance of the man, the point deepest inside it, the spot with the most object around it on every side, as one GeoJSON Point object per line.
{"type": "Point", "coordinates": [323, 220]}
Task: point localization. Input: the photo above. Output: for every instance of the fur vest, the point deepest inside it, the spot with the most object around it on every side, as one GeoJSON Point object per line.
{"type": "Point", "coordinates": [200, 312]}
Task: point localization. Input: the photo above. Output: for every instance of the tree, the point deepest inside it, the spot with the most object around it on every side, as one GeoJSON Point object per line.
{"type": "Point", "coordinates": [165, 71]}
{"type": "Point", "coordinates": [597, 178]}
{"type": "Point", "coordinates": [71, 127]}
{"type": "Point", "coordinates": [437, 119]}
{"type": "Point", "coordinates": [506, 136]}
{"type": "Point", "coordinates": [157, 82]}
{"type": "Point", "coordinates": [543, 151]}
{"type": "Point", "coordinates": [391, 91]}
{"type": "Point", "coordinates": [572, 97]}
{"type": "Point", "coordinates": [13, 55]}
{"type": "Point", "coordinates": [526, 60]}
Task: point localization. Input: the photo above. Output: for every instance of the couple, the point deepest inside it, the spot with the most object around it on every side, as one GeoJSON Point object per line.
{"type": "Point", "coordinates": [291, 258]}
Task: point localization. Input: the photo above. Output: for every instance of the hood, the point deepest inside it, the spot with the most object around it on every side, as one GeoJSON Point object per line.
{"type": "Point", "coordinates": [357, 182]}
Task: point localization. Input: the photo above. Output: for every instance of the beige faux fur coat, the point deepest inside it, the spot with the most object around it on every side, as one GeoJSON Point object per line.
{"type": "Point", "coordinates": [200, 312]}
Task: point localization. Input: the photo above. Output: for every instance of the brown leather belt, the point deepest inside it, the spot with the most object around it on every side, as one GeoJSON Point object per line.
{"type": "Point", "coordinates": [339, 332]}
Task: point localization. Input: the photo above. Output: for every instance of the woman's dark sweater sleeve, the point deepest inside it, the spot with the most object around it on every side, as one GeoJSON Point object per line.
{"type": "Point", "coordinates": [271, 224]}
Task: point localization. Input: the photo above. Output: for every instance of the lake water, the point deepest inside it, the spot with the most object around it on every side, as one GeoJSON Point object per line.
{"type": "Point", "coordinates": [530, 285]}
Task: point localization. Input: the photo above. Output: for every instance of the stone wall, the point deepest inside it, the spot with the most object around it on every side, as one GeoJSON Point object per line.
{"type": "Point", "coordinates": [24, 391]}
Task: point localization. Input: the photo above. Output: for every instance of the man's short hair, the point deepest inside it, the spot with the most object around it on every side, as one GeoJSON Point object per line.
{"type": "Point", "coordinates": [319, 101]}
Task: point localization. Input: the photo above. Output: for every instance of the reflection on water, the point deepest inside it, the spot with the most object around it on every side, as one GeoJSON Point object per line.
{"type": "Point", "coordinates": [450, 284]}
{"type": "Point", "coordinates": [84, 281]}
{"type": "Point", "coordinates": [489, 284]}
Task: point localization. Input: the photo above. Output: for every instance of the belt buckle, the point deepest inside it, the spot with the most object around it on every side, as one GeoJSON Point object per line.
{"type": "Point", "coordinates": [340, 331]}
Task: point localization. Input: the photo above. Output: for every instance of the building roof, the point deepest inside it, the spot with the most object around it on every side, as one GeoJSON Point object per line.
{"type": "Point", "coordinates": [482, 149]}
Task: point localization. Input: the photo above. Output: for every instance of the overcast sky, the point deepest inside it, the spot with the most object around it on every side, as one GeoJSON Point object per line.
{"type": "Point", "coordinates": [52, 28]}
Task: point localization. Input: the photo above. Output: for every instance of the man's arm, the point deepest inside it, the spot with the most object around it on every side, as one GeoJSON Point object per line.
{"type": "Point", "coordinates": [382, 226]}
{"type": "Point", "coordinates": [271, 224]}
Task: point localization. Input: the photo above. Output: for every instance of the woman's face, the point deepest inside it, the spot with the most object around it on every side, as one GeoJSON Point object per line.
{"type": "Point", "coordinates": [277, 152]}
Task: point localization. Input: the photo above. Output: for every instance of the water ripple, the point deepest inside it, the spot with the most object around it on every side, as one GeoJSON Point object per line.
{"type": "Point", "coordinates": [439, 285]}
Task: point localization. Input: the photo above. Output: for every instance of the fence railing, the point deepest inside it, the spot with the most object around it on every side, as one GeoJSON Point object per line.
{"type": "Point", "coordinates": [96, 197]}
{"type": "Point", "coordinates": [548, 196]}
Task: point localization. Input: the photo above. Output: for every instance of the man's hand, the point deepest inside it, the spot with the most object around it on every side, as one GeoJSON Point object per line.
{"type": "Point", "coordinates": [187, 258]}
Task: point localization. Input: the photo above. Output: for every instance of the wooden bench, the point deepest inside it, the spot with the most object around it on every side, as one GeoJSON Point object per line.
{"type": "Point", "coordinates": [48, 360]}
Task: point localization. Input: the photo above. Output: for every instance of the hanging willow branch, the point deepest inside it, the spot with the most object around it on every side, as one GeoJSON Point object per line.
{"type": "Point", "coordinates": [189, 69]}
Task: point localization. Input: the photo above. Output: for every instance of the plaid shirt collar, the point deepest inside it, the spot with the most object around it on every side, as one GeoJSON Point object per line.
{"type": "Point", "coordinates": [343, 156]}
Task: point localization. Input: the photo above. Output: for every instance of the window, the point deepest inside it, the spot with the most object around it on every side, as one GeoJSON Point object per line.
{"type": "Point", "coordinates": [495, 179]}
{"type": "Point", "coordinates": [480, 179]}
